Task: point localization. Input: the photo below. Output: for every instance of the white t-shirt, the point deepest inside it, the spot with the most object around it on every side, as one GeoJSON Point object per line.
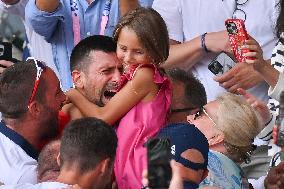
{"type": "Point", "coordinates": [43, 185]}
{"type": "Point", "coordinates": [187, 19]}
{"type": "Point", "coordinates": [39, 48]}
{"type": "Point", "coordinates": [16, 166]}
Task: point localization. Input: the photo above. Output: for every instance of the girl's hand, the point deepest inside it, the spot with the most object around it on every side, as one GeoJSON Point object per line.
{"type": "Point", "coordinates": [255, 54]}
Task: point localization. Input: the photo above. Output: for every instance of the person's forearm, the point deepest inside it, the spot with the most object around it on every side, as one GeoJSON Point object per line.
{"type": "Point", "coordinates": [47, 5]}
{"type": "Point", "coordinates": [185, 54]}
{"type": "Point", "coordinates": [10, 2]}
{"type": "Point", "coordinates": [127, 5]}
{"type": "Point", "coordinates": [269, 74]}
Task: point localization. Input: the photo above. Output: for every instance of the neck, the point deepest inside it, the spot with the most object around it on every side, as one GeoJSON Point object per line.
{"type": "Point", "coordinates": [90, 1]}
{"type": "Point", "coordinates": [72, 176]}
{"type": "Point", "coordinates": [218, 148]}
{"type": "Point", "coordinates": [27, 130]}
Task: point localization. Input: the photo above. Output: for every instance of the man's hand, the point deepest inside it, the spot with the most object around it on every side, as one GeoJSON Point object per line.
{"type": "Point", "coordinates": [275, 177]}
{"type": "Point", "coordinates": [4, 64]}
{"type": "Point", "coordinates": [242, 75]}
{"type": "Point", "coordinates": [10, 2]}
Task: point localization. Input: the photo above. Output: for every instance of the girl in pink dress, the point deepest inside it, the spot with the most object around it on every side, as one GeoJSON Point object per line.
{"type": "Point", "coordinates": [142, 104]}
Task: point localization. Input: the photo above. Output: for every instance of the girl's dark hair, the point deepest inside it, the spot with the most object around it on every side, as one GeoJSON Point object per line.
{"type": "Point", "coordinates": [280, 20]}
{"type": "Point", "coordinates": [151, 31]}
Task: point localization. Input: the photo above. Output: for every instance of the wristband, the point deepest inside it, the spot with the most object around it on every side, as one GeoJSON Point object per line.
{"type": "Point", "coordinates": [203, 45]}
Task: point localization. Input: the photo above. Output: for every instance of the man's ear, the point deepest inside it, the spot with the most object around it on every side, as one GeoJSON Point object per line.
{"type": "Point", "coordinates": [78, 78]}
{"type": "Point", "coordinates": [105, 166]}
{"type": "Point", "coordinates": [216, 139]}
{"type": "Point", "coordinates": [58, 159]}
{"type": "Point", "coordinates": [35, 108]}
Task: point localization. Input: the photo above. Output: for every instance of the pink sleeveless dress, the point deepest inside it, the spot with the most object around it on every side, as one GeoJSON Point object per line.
{"type": "Point", "coordinates": [142, 122]}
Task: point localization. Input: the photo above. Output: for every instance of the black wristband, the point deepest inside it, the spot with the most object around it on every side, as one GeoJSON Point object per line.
{"type": "Point", "coordinates": [203, 45]}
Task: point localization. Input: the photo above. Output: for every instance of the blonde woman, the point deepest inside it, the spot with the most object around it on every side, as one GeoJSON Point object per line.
{"type": "Point", "coordinates": [230, 124]}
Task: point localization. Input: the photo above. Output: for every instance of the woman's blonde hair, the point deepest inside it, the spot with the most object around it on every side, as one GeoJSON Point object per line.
{"type": "Point", "coordinates": [238, 121]}
{"type": "Point", "coordinates": [151, 31]}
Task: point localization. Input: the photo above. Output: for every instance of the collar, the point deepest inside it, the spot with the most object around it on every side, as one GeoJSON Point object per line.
{"type": "Point", "coordinates": [190, 185]}
{"type": "Point", "coordinates": [19, 140]}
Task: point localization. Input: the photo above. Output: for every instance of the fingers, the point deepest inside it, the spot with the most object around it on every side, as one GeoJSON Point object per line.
{"type": "Point", "coordinates": [6, 63]}
{"type": "Point", "coordinates": [225, 77]}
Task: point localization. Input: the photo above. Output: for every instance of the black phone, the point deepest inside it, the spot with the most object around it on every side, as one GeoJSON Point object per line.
{"type": "Point", "coordinates": [280, 122]}
{"type": "Point", "coordinates": [221, 64]}
{"type": "Point", "coordinates": [5, 51]}
{"type": "Point", "coordinates": [159, 169]}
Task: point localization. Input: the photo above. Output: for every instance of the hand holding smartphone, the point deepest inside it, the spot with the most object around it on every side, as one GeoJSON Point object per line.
{"type": "Point", "coordinates": [237, 36]}
{"type": "Point", "coordinates": [159, 169]}
{"type": "Point", "coordinates": [221, 64]}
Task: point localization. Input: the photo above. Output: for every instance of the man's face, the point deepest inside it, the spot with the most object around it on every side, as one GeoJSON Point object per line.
{"type": "Point", "coordinates": [203, 121]}
{"type": "Point", "coordinates": [102, 77]}
{"type": "Point", "coordinates": [53, 103]}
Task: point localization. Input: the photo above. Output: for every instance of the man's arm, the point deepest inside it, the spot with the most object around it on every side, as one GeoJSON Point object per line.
{"type": "Point", "coordinates": [190, 52]}
{"type": "Point", "coordinates": [127, 5]}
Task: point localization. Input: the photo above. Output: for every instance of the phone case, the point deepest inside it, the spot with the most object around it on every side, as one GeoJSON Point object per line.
{"type": "Point", "coordinates": [237, 36]}
{"type": "Point", "coordinates": [221, 64]}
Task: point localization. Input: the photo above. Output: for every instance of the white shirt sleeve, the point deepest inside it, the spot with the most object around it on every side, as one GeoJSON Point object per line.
{"type": "Point", "coordinates": [171, 12]}
{"type": "Point", "coordinates": [279, 87]}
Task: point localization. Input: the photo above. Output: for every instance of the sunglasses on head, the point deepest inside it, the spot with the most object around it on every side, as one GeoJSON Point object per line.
{"type": "Point", "coordinates": [40, 67]}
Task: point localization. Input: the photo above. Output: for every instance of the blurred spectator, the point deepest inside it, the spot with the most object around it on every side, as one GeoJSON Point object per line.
{"type": "Point", "coordinates": [30, 99]}
{"type": "Point", "coordinates": [37, 46]}
{"type": "Point", "coordinates": [275, 177]}
{"type": "Point", "coordinates": [86, 158]}
{"type": "Point", "coordinates": [64, 23]}
{"type": "Point", "coordinates": [230, 125]}
{"type": "Point", "coordinates": [189, 148]}
{"type": "Point", "coordinates": [193, 26]}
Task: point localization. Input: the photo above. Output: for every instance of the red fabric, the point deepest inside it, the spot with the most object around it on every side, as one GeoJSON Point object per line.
{"type": "Point", "coordinates": [63, 120]}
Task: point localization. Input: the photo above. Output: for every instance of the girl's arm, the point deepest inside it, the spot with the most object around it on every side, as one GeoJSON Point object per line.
{"type": "Point", "coordinates": [141, 87]}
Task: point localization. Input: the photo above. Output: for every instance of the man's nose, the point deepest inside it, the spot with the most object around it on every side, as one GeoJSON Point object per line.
{"type": "Point", "coordinates": [116, 76]}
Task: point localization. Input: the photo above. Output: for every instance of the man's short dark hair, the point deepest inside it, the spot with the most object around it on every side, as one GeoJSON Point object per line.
{"type": "Point", "coordinates": [16, 85]}
{"type": "Point", "coordinates": [79, 59]}
{"type": "Point", "coordinates": [195, 94]}
{"type": "Point", "coordinates": [47, 162]}
{"type": "Point", "coordinates": [86, 142]}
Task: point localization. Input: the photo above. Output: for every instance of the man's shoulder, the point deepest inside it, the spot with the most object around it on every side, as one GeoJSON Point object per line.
{"type": "Point", "coordinates": [17, 165]}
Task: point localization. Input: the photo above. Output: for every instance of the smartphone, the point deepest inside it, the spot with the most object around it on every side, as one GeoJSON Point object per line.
{"type": "Point", "coordinates": [5, 51]}
{"type": "Point", "coordinates": [237, 36]}
{"type": "Point", "coordinates": [159, 169]}
{"type": "Point", "coordinates": [280, 122]}
{"type": "Point", "coordinates": [221, 64]}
